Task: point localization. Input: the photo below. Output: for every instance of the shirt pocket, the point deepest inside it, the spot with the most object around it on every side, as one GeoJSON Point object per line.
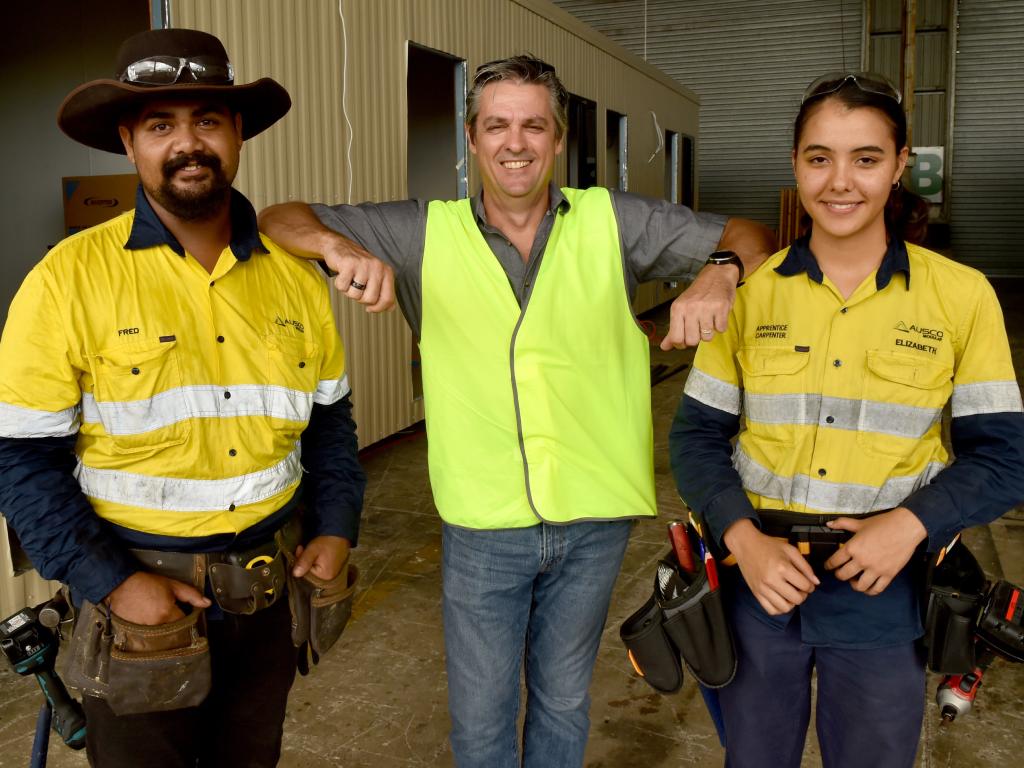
{"type": "Point", "coordinates": [774, 396]}
{"type": "Point", "coordinates": [293, 364]}
{"type": "Point", "coordinates": [140, 397]}
{"type": "Point", "coordinates": [903, 397]}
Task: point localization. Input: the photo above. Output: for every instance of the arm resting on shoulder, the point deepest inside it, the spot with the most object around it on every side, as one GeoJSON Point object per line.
{"type": "Point", "coordinates": [296, 228]}
{"type": "Point", "coordinates": [705, 305]}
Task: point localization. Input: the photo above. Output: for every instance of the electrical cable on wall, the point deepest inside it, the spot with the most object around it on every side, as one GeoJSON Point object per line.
{"type": "Point", "coordinates": [660, 137]}
{"type": "Point", "coordinates": [344, 106]}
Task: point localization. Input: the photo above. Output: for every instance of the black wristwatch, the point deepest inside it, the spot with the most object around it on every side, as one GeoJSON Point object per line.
{"type": "Point", "coordinates": [727, 257]}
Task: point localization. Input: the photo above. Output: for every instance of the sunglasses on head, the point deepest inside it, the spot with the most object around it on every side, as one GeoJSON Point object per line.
{"type": "Point", "coordinates": [869, 82]}
{"type": "Point", "coordinates": [168, 70]}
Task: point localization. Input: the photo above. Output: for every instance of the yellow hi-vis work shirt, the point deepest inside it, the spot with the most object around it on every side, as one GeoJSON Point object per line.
{"type": "Point", "coordinates": [841, 400]}
{"type": "Point", "coordinates": [188, 390]}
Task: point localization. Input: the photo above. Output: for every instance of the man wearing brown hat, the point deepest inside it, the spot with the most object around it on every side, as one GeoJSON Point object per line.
{"type": "Point", "coordinates": [157, 373]}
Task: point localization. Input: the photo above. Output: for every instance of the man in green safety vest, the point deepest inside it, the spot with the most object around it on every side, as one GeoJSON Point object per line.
{"type": "Point", "coordinates": [536, 384]}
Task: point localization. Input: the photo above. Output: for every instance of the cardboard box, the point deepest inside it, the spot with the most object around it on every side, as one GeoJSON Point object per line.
{"type": "Point", "coordinates": [91, 200]}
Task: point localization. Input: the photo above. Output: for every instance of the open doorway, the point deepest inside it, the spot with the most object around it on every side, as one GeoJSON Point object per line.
{"type": "Point", "coordinates": [436, 156]}
{"type": "Point", "coordinates": [617, 169]}
{"type": "Point", "coordinates": [436, 87]}
{"type": "Point", "coordinates": [581, 142]}
{"type": "Point", "coordinates": [688, 173]}
{"type": "Point", "coordinates": [672, 176]}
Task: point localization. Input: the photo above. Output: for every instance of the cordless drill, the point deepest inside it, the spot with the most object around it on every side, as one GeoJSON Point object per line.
{"type": "Point", "coordinates": [28, 641]}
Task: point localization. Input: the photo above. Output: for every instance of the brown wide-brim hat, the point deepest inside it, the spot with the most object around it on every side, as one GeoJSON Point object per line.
{"type": "Point", "coordinates": [92, 112]}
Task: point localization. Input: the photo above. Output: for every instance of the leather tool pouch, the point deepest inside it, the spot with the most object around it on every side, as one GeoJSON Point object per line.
{"type": "Point", "coordinates": [652, 654]}
{"type": "Point", "coordinates": [137, 668]}
{"type": "Point", "coordinates": [157, 668]}
{"type": "Point", "coordinates": [89, 650]}
{"type": "Point", "coordinates": [320, 609]}
{"type": "Point", "coordinates": [246, 584]}
{"type": "Point", "coordinates": [955, 589]}
{"type": "Point", "coordinates": [696, 624]}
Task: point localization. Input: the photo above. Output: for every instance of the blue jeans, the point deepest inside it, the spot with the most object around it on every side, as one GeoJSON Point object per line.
{"type": "Point", "coordinates": [538, 593]}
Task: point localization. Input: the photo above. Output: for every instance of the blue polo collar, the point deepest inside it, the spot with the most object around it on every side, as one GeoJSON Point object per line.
{"type": "Point", "coordinates": [149, 232]}
{"type": "Point", "coordinates": [801, 259]}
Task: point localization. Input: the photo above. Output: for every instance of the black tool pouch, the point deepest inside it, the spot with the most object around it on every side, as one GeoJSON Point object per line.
{"type": "Point", "coordinates": [158, 668]}
{"type": "Point", "coordinates": [695, 622]}
{"type": "Point", "coordinates": [320, 609]}
{"type": "Point", "coordinates": [238, 589]}
{"type": "Point", "coordinates": [954, 593]}
{"type": "Point", "coordinates": [652, 654]}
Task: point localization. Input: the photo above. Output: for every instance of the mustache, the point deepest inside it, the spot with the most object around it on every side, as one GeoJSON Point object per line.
{"type": "Point", "coordinates": [196, 158]}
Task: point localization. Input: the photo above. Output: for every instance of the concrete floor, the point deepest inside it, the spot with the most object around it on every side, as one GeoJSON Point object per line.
{"type": "Point", "coordinates": [378, 700]}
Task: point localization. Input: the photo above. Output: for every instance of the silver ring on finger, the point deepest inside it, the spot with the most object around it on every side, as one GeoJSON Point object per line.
{"type": "Point", "coordinates": [706, 332]}
{"type": "Point", "coordinates": [357, 286]}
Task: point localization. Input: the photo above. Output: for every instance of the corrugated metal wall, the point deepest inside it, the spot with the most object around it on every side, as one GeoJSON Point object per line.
{"type": "Point", "coordinates": [749, 63]}
{"type": "Point", "coordinates": [987, 192]}
{"type": "Point", "coordinates": [302, 158]}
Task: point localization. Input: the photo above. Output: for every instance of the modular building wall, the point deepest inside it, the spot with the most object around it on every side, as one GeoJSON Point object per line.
{"type": "Point", "coordinates": [346, 137]}
{"type": "Point", "coordinates": [351, 68]}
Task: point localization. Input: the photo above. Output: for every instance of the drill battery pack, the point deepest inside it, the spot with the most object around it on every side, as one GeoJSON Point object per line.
{"type": "Point", "coordinates": [1001, 624]}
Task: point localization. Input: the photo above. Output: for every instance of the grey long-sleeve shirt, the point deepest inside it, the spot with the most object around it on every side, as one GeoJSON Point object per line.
{"type": "Point", "coordinates": [660, 240]}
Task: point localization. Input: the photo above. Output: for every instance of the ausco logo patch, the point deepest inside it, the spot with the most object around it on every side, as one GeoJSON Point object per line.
{"type": "Point", "coordinates": [922, 333]}
{"type": "Point", "coordinates": [772, 331]}
{"type": "Point", "coordinates": [927, 333]}
{"type": "Point", "coordinates": [293, 323]}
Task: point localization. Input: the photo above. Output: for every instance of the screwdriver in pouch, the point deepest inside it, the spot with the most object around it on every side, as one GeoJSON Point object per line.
{"type": "Point", "coordinates": [680, 539]}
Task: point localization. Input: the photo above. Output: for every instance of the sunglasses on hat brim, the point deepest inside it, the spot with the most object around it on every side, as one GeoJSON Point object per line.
{"type": "Point", "coordinates": [171, 70]}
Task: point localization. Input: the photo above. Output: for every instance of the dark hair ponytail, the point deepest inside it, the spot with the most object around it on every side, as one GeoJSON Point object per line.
{"type": "Point", "coordinates": [906, 214]}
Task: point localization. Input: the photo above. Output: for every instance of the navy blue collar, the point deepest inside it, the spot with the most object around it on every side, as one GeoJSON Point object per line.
{"type": "Point", "coordinates": [556, 201]}
{"type": "Point", "coordinates": [801, 259]}
{"type": "Point", "coordinates": [148, 231]}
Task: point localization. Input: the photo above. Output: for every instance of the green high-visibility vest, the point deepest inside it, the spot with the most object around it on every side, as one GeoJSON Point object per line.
{"type": "Point", "coordinates": [544, 412]}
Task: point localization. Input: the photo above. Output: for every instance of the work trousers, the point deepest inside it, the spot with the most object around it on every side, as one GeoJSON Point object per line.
{"type": "Point", "coordinates": [240, 723]}
{"type": "Point", "coordinates": [869, 707]}
{"type": "Point", "coordinates": [538, 595]}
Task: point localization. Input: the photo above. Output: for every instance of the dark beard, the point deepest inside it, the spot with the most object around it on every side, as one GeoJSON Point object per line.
{"type": "Point", "coordinates": [194, 205]}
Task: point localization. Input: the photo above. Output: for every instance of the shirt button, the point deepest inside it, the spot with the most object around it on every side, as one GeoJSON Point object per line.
{"type": "Point", "coordinates": [232, 452]}
{"type": "Point", "coordinates": [135, 371]}
{"type": "Point", "coordinates": [844, 310]}
{"type": "Point", "coordinates": [212, 282]}
{"type": "Point", "coordinates": [829, 419]}
{"type": "Point", "coordinates": [822, 472]}
{"type": "Point", "coordinates": [837, 362]}
{"type": "Point", "coordinates": [220, 339]}
{"type": "Point", "coordinates": [302, 364]}
{"type": "Point", "coordinates": [231, 508]}
{"type": "Point", "coordinates": [227, 395]}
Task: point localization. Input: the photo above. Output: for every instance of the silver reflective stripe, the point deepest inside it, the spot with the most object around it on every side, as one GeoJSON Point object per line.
{"type": "Point", "coordinates": [986, 397]}
{"type": "Point", "coordinates": [331, 390]}
{"type": "Point", "coordinates": [133, 417]}
{"type": "Point", "coordinates": [824, 496]}
{"type": "Point", "coordinates": [173, 494]}
{"type": "Point", "coordinates": [713, 392]}
{"type": "Point", "coordinates": [858, 415]}
{"type": "Point", "coordinates": [16, 421]}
